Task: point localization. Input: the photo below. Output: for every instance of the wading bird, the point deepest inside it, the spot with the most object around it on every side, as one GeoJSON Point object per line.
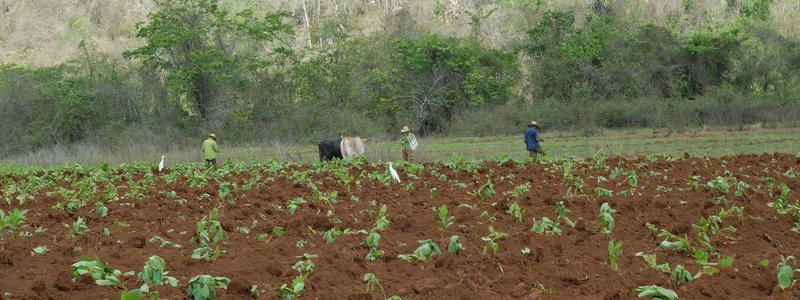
{"type": "Point", "coordinates": [161, 164]}
{"type": "Point", "coordinates": [395, 177]}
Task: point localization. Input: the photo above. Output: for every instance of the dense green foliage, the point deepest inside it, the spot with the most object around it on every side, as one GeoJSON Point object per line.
{"type": "Point", "coordinates": [205, 68]}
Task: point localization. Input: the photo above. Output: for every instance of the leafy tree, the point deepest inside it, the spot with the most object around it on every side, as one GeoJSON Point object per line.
{"type": "Point", "coordinates": [440, 75]}
{"type": "Point", "coordinates": [201, 46]}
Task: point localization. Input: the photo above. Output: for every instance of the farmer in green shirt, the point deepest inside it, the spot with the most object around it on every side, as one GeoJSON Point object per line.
{"type": "Point", "coordinates": [409, 144]}
{"type": "Point", "coordinates": [210, 150]}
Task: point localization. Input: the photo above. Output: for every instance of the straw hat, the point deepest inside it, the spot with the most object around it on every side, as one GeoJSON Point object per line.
{"type": "Point", "coordinates": [533, 123]}
{"type": "Point", "coordinates": [405, 129]}
{"type": "Point", "coordinates": [214, 136]}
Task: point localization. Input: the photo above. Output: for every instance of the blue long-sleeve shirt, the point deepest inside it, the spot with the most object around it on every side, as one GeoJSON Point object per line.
{"type": "Point", "coordinates": [531, 138]}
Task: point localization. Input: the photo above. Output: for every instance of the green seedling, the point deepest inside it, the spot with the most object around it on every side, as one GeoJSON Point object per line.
{"type": "Point", "coordinates": [371, 280]}
{"type": "Point", "coordinates": [154, 274]}
{"type": "Point", "coordinates": [681, 244]}
{"type": "Point", "coordinates": [786, 272]}
{"type": "Point", "coordinates": [279, 231]}
{"type": "Point", "coordinates": [601, 192]}
{"type": "Point", "coordinates": [606, 218]}
{"type": "Point", "coordinates": [454, 246]}
{"type": "Point", "coordinates": [680, 275]}
{"type": "Point", "coordinates": [444, 221]}
{"type": "Point", "coordinates": [487, 189]}
{"type": "Point", "coordinates": [294, 203]}
{"type": "Point", "coordinates": [101, 209]}
{"type": "Point", "coordinates": [382, 222]}
{"type": "Point", "coordinates": [331, 235]}
{"type": "Point", "coordinates": [490, 244]}
{"type": "Point", "coordinates": [163, 242]}
{"type": "Point", "coordinates": [40, 250]}
{"type": "Point", "coordinates": [515, 211]}
{"type": "Point", "coordinates": [204, 287]}
{"type": "Point", "coordinates": [99, 270]}
{"type": "Point", "coordinates": [425, 251]}
{"type": "Point", "coordinates": [78, 228]}
{"type": "Point", "coordinates": [614, 252]}
{"type": "Point", "coordinates": [655, 292]}
{"type": "Point", "coordinates": [545, 226]}
{"type": "Point", "coordinates": [209, 234]}
{"type": "Point", "coordinates": [521, 190]}
{"type": "Point", "coordinates": [562, 211]}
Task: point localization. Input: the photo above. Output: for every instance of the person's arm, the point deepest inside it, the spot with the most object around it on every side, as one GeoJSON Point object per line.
{"type": "Point", "coordinates": [216, 147]}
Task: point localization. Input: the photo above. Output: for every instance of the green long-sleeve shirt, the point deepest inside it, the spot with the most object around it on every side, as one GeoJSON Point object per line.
{"type": "Point", "coordinates": [210, 149]}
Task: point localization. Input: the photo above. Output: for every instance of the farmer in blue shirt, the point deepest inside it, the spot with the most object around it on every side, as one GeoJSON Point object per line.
{"type": "Point", "coordinates": [532, 140]}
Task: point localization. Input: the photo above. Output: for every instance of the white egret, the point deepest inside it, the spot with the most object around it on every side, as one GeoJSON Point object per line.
{"type": "Point", "coordinates": [161, 164]}
{"type": "Point", "coordinates": [395, 177]}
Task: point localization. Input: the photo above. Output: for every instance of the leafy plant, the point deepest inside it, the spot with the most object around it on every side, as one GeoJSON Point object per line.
{"type": "Point", "coordinates": [40, 250]}
{"type": "Point", "coordinates": [425, 251]}
{"type": "Point", "coordinates": [614, 252]}
{"type": "Point", "coordinates": [515, 211]}
{"type": "Point", "coordinates": [163, 242]}
{"type": "Point", "coordinates": [279, 231]}
{"type": "Point", "coordinates": [490, 244]}
{"type": "Point", "coordinates": [12, 221]}
{"type": "Point", "coordinates": [444, 221]}
{"type": "Point", "coordinates": [786, 272]}
{"type": "Point", "coordinates": [154, 273]}
{"type": "Point", "coordinates": [99, 270]}
{"type": "Point", "coordinates": [655, 292]}
{"type": "Point", "coordinates": [294, 204]}
{"type": "Point", "coordinates": [562, 211]}
{"type": "Point", "coordinates": [606, 218]}
{"type": "Point", "coordinates": [382, 222]}
{"type": "Point", "coordinates": [601, 192]}
{"type": "Point", "coordinates": [331, 235]}
{"type": "Point", "coordinates": [487, 189]}
{"type": "Point", "coordinates": [683, 244]}
{"type": "Point", "coordinates": [680, 275]}
{"type": "Point", "coordinates": [545, 226]}
{"type": "Point", "coordinates": [372, 281]}
{"type": "Point", "coordinates": [295, 289]}
{"type": "Point", "coordinates": [210, 234]}
{"type": "Point", "coordinates": [454, 246]}
{"type": "Point", "coordinates": [78, 227]}
{"type": "Point", "coordinates": [203, 287]}
{"type": "Point", "coordinates": [521, 190]}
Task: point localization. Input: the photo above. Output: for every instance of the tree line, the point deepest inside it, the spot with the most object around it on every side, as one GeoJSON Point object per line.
{"type": "Point", "coordinates": [203, 68]}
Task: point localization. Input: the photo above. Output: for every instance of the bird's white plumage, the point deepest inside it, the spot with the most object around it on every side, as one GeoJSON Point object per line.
{"type": "Point", "coordinates": [395, 177]}
{"type": "Point", "coordinates": [161, 164]}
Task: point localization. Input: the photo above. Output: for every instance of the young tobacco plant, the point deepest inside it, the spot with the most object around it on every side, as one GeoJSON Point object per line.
{"type": "Point", "coordinates": [99, 270]}
{"type": "Point", "coordinates": [204, 287]}
{"type": "Point", "coordinates": [444, 221]}
{"type": "Point", "coordinates": [562, 211]}
{"type": "Point", "coordinates": [454, 246]}
{"type": "Point", "coordinates": [515, 211]}
{"type": "Point", "coordinates": [606, 218]}
{"type": "Point", "coordinates": [786, 272]}
{"type": "Point", "coordinates": [656, 292]}
{"type": "Point", "coordinates": [425, 251]}
{"type": "Point", "coordinates": [545, 226]}
{"type": "Point", "coordinates": [614, 252]}
{"type": "Point", "coordinates": [210, 234]}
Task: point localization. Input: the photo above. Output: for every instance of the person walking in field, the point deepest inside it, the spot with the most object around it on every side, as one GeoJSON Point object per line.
{"type": "Point", "coordinates": [532, 140]}
{"type": "Point", "coordinates": [409, 144]}
{"type": "Point", "coordinates": [211, 150]}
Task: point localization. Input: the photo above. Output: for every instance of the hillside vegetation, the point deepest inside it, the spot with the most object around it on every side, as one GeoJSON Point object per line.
{"type": "Point", "coordinates": [119, 73]}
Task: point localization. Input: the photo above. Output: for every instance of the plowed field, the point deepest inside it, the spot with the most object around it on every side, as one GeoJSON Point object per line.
{"type": "Point", "coordinates": [722, 208]}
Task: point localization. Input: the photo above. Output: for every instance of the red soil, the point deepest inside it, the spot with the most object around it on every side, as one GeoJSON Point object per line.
{"type": "Point", "coordinates": [569, 266]}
